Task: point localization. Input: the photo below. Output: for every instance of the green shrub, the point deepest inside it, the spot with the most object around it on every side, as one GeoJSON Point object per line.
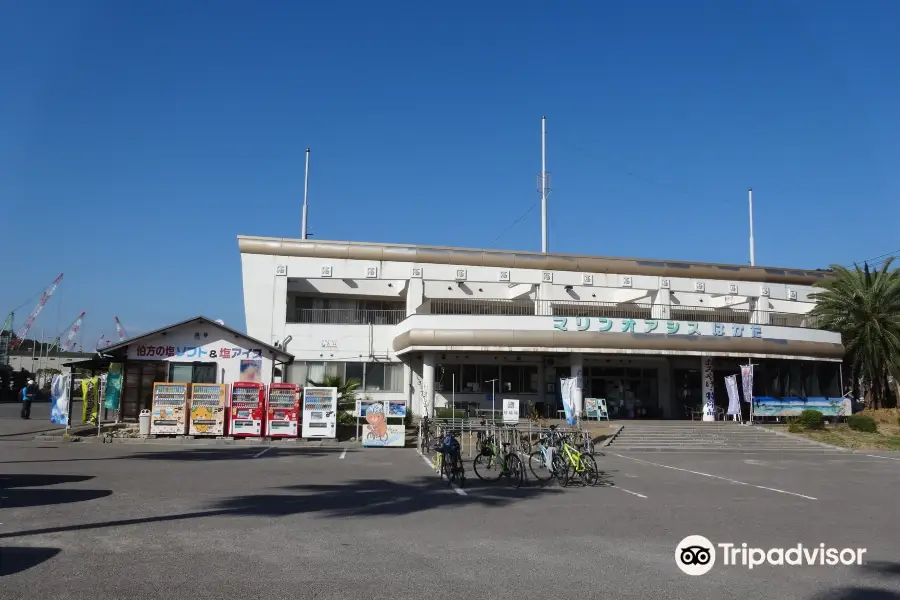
{"type": "Point", "coordinates": [345, 418]}
{"type": "Point", "coordinates": [794, 425]}
{"type": "Point", "coordinates": [812, 419]}
{"type": "Point", "coordinates": [449, 413]}
{"type": "Point", "coordinates": [863, 423]}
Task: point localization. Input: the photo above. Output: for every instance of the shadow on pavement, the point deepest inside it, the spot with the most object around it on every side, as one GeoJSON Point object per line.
{"type": "Point", "coordinates": [17, 481]}
{"type": "Point", "coordinates": [18, 492]}
{"type": "Point", "coordinates": [14, 560]}
{"type": "Point", "coordinates": [202, 454]}
{"type": "Point", "coordinates": [881, 568]}
{"type": "Point", "coordinates": [352, 498]}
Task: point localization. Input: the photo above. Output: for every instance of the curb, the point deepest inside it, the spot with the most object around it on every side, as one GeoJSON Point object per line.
{"type": "Point", "coordinates": [805, 439]}
{"type": "Point", "coordinates": [612, 436]}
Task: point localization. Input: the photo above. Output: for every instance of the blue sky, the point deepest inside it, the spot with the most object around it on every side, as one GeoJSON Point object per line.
{"type": "Point", "coordinates": [137, 139]}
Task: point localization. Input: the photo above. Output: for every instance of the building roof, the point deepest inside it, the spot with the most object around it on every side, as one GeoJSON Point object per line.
{"type": "Point", "coordinates": [524, 260]}
{"type": "Point", "coordinates": [121, 347]}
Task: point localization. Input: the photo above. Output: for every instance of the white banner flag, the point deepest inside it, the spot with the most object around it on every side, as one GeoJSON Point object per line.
{"type": "Point", "coordinates": [566, 387]}
{"type": "Point", "coordinates": [747, 382]}
{"type": "Point", "coordinates": [734, 397]}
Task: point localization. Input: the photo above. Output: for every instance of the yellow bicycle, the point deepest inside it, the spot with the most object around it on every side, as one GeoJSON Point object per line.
{"type": "Point", "coordinates": [570, 462]}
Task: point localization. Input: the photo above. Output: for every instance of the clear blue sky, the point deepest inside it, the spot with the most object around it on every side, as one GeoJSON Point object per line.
{"type": "Point", "coordinates": [138, 138]}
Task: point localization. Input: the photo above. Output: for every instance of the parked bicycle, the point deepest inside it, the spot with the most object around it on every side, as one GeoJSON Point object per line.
{"type": "Point", "coordinates": [571, 463]}
{"type": "Point", "coordinates": [448, 459]}
{"type": "Point", "coordinates": [492, 463]}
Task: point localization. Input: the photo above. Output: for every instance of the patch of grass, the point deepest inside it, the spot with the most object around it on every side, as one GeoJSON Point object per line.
{"type": "Point", "coordinates": [842, 435]}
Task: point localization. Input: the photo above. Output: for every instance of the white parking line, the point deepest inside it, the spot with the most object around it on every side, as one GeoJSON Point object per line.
{"type": "Point", "coordinates": [884, 457]}
{"type": "Point", "coordinates": [455, 487]}
{"type": "Point", "coordinates": [343, 454]}
{"type": "Point", "coordinates": [629, 492]}
{"type": "Point", "coordinates": [262, 452]}
{"type": "Point", "coordinates": [761, 487]}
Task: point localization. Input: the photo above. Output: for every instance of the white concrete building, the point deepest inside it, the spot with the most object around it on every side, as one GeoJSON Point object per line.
{"type": "Point", "coordinates": [412, 322]}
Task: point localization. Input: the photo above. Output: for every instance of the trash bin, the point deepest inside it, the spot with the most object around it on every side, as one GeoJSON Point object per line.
{"type": "Point", "coordinates": [144, 423]}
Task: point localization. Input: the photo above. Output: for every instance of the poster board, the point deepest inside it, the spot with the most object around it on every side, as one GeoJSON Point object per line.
{"type": "Point", "coordinates": [382, 424]}
{"type": "Point", "coordinates": [169, 414]}
{"type": "Point", "coordinates": [319, 412]}
{"type": "Point", "coordinates": [510, 411]}
{"type": "Point", "coordinates": [207, 409]}
{"type": "Point", "coordinates": [595, 408]}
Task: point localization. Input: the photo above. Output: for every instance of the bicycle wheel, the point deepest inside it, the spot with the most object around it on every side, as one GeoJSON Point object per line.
{"type": "Point", "coordinates": [537, 464]}
{"type": "Point", "coordinates": [591, 474]}
{"type": "Point", "coordinates": [447, 470]}
{"type": "Point", "coordinates": [487, 467]}
{"type": "Point", "coordinates": [515, 470]}
{"type": "Point", "coordinates": [460, 470]}
{"type": "Point", "coordinates": [588, 445]}
{"type": "Point", "coordinates": [525, 444]}
{"type": "Point", "coordinates": [561, 470]}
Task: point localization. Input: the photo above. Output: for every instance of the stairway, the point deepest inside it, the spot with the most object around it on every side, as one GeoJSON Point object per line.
{"type": "Point", "coordinates": [696, 436]}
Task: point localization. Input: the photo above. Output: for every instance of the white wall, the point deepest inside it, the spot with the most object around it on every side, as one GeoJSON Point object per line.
{"type": "Point", "coordinates": [186, 344]}
{"type": "Point", "coordinates": [340, 342]}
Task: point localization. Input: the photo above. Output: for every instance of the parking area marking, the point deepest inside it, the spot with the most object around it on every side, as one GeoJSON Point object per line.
{"type": "Point", "coordinates": [884, 457]}
{"type": "Point", "coordinates": [455, 487]}
{"type": "Point", "coordinates": [343, 454]}
{"type": "Point", "coordinates": [263, 451]}
{"type": "Point", "coordinates": [761, 487]}
{"type": "Point", "coordinates": [629, 492]}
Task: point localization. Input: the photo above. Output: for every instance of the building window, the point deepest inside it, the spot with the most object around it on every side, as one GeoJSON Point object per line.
{"type": "Point", "coordinates": [192, 372]}
{"type": "Point", "coordinates": [372, 377]}
{"type": "Point", "coordinates": [519, 379]}
{"type": "Point", "coordinates": [383, 377]}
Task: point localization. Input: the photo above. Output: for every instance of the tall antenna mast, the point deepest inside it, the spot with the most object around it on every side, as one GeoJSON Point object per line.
{"type": "Point", "coordinates": [752, 249]}
{"type": "Point", "coordinates": [305, 196]}
{"type": "Point", "coordinates": [544, 184]}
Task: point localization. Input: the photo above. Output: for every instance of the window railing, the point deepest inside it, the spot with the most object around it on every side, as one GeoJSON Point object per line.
{"type": "Point", "coordinates": [346, 316]}
{"type": "Point", "coordinates": [628, 310]}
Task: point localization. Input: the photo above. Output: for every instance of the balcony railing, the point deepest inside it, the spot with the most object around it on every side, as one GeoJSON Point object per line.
{"type": "Point", "coordinates": [346, 316]}
{"type": "Point", "coordinates": [631, 310]}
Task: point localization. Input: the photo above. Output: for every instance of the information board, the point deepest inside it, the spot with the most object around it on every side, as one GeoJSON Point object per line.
{"type": "Point", "coordinates": [169, 414]}
{"type": "Point", "coordinates": [510, 411]}
{"type": "Point", "coordinates": [319, 412]}
{"type": "Point", "coordinates": [207, 409]}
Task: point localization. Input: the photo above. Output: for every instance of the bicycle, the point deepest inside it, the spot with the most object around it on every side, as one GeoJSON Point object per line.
{"type": "Point", "coordinates": [491, 464]}
{"type": "Point", "coordinates": [580, 464]}
{"type": "Point", "coordinates": [427, 435]}
{"type": "Point", "coordinates": [448, 460]}
{"type": "Point", "coordinates": [540, 461]}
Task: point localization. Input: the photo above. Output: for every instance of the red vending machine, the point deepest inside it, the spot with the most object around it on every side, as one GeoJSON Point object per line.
{"type": "Point", "coordinates": [248, 403]}
{"type": "Point", "coordinates": [283, 413]}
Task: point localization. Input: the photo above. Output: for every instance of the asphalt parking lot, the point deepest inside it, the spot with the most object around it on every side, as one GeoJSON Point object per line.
{"type": "Point", "coordinates": [117, 520]}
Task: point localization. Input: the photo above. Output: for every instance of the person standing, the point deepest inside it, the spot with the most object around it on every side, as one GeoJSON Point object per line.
{"type": "Point", "coordinates": [29, 393]}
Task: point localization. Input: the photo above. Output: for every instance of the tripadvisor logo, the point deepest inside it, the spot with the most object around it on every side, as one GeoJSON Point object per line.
{"type": "Point", "coordinates": [696, 555]}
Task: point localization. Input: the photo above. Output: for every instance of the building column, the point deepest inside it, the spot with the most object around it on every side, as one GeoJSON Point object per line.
{"type": "Point", "coordinates": [709, 388]}
{"type": "Point", "coordinates": [577, 373]}
{"type": "Point", "coordinates": [428, 360]}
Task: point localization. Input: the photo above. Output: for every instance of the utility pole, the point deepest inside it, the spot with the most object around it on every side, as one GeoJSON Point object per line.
{"type": "Point", "coordinates": [493, 383]}
{"type": "Point", "coordinates": [752, 249]}
{"type": "Point", "coordinates": [305, 197]}
{"type": "Point", "coordinates": [544, 186]}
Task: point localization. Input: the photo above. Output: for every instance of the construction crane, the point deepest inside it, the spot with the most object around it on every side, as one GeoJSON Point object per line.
{"type": "Point", "coordinates": [72, 331]}
{"type": "Point", "coordinates": [120, 330]}
{"type": "Point", "coordinates": [20, 336]}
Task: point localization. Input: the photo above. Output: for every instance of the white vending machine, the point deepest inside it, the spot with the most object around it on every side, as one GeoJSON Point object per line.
{"type": "Point", "coordinates": [319, 412]}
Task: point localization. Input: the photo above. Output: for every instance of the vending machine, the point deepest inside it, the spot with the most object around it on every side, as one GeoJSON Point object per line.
{"type": "Point", "coordinates": [319, 412]}
{"type": "Point", "coordinates": [248, 402]}
{"type": "Point", "coordinates": [207, 409]}
{"type": "Point", "coordinates": [283, 412]}
{"type": "Point", "coordinates": [169, 414]}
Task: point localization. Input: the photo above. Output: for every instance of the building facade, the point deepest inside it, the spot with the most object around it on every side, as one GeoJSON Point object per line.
{"type": "Point", "coordinates": [437, 326]}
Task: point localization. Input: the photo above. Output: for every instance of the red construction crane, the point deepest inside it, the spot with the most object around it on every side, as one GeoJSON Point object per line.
{"type": "Point", "coordinates": [72, 331]}
{"type": "Point", "coordinates": [120, 330]}
{"type": "Point", "coordinates": [20, 336]}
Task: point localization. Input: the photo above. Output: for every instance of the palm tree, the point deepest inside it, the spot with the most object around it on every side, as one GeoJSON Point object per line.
{"type": "Point", "coordinates": [346, 390]}
{"type": "Point", "coordinates": [863, 305]}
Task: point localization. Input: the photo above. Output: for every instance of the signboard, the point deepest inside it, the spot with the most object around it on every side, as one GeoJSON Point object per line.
{"type": "Point", "coordinates": [595, 408]}
{"type": "Point", "coordinates": [168, 416]}
{"type": "Point", "coordinates": [764, 406]}
{"type": "Point", "coordinates": [510, 411]}
{"type": "Point", "coordinates": [656, 327]}
{"type": "Point", "coordinates": [396, 408]}
{"type": "Point", "coordinates": [709, 389]}
{"type": "Point", "coordinates": [207, 409]}
{"type": "Point", "coordinates": [394, 437]}
{"type": "Point", "coordinates": [319, 412]}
